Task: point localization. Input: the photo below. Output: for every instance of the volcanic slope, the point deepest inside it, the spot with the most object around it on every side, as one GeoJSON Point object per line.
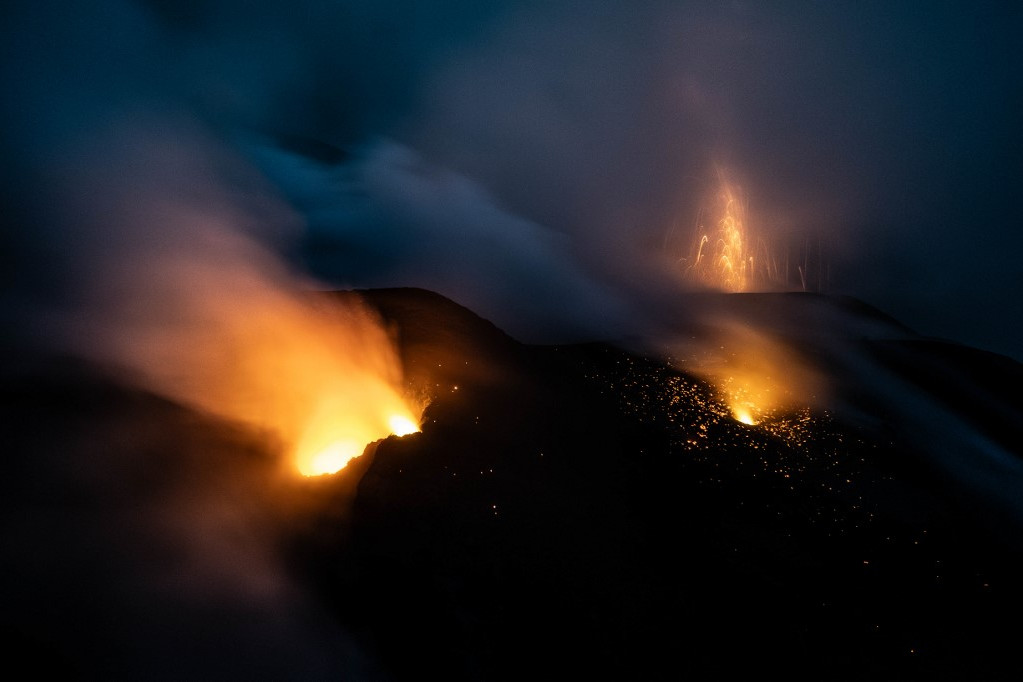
{"type": "Point", "coordinates": [574, 511]}
{"type": "Point", "coordinates": [583, 511]}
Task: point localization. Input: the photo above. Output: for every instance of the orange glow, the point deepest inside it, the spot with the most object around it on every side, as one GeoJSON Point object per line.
{"type": "Point", "coordinates": [330, 460]}
{"type": "Point", "coordinates": [226, 330]}
{"type": "Point", "coordinates": [333, 436]}
{"type": "Point", "coordinates": [325, 381]}
{"type": "Point", "coordinates": [756, 375]}
{"type": "Point", "coordinates": [722, 259]}
{"type": "Point", "coordinates": [328, 444]}
{"type": "Point", "coordinates": [402, 426]}
{"type": "Point", "coordinates": [749, 394]}
{"type": "Point", "coordinates": [743, 414]}
{"type": "Point", "coordinates": [727, 251]}
{"type": "Point", "coordinates": [330, 440]}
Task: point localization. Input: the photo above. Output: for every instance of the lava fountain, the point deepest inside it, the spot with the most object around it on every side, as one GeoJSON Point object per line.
{"type": "Point", "coordinates": [729, 256]}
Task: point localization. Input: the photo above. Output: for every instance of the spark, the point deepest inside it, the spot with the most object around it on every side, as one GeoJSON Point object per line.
{"type": "Point", "coordinates": [730, 256]}
{"type": "Point", "coordinates": [720, 259]}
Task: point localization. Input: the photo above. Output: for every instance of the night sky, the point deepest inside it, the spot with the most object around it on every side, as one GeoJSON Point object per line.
{"type": "Point", "coordinates": [535, 161]}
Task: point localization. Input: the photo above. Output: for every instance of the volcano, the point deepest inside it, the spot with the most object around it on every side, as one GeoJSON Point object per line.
{"type": "Point", "coordinates": [579, 511]}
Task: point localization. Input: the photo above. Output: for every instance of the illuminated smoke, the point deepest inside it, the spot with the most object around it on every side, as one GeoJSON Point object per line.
{"type": "Point", "coordinates": [757, 375]}
{"type": "Point", "coordinates": [199, 310]}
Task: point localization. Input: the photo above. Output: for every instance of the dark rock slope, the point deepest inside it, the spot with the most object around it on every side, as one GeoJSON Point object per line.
{"type": "Point", "coordinates": [567, 512]}
{"type": "Point", "coordinates": [583, 512]}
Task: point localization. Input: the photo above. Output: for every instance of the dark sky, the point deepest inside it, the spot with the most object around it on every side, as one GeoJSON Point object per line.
{"type": "Point", "coordinates": [533, 160]}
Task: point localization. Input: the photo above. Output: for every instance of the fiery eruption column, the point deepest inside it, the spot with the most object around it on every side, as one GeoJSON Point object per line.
{"type": "Point", "coordinates": [721, 258]}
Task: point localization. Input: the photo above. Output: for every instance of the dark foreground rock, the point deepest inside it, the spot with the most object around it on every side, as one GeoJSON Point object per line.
{"type": "Point", "coordinates": [574, 512]}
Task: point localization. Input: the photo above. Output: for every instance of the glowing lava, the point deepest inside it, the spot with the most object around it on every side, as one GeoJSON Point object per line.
{"type": "Point", "coordinates": [197, 308]}
{"type": "Point", "coordinates": [742, 414]}
{"type": "Point", "coordinates": [721, 258]}
{"type": "Point", "coordinates": [329, 444]}
{"type": "Point", "coordinates": [329, 447]}
{"type": "Point", "coordinates": [756, 376]}
{"type": "Point", "coordinates": [338, 433]}
{"type": "Point", "coordinates": [402, 426]}
{"type": "Point", "coordinates": [726, 252]}
{"type": "Point", "coordinates": [331, 459]}
{"type": "Point", "coordinates": [320, 377]}
{"type": "Point", "coordinates": [355, 404]}
{"type": "Point", "coordinates": [748, 393]}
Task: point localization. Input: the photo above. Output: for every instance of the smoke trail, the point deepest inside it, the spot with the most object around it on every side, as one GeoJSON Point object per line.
{"type": "Point", "coordinates": [389, 218]}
